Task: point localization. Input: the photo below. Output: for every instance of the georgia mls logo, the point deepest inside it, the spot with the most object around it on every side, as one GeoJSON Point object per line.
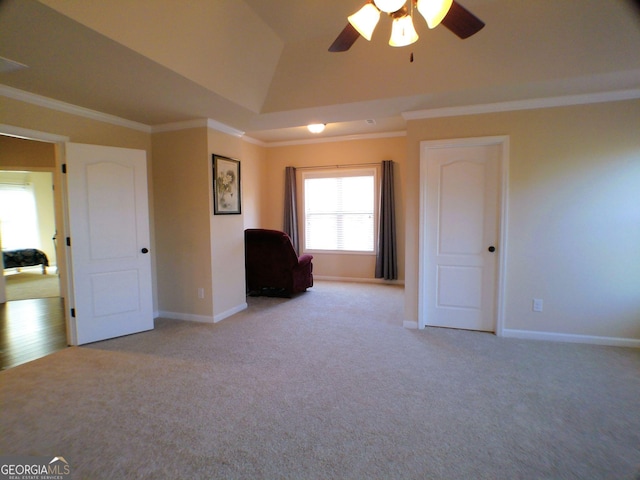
{"type": "Point", "coordinates": [34, 468]}
{"type": "Point", "coordinates": [61, 467]}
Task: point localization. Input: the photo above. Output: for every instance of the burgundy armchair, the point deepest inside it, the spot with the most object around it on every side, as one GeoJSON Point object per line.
{"type": "Point", "coordinates": [272, 266]}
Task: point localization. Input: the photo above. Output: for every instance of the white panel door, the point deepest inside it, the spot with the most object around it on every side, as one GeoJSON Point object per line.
{"type": "Point", "coordinates": [109, 227]}
{"type": "Point", "coordinates": [461, 201]}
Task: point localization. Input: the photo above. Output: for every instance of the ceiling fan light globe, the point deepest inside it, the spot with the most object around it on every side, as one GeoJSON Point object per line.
{"type": "Point", "coordinates": [316, 127]}
{"type": "Point", "coordinates": [365, 20]}
{"type": "Point", "coordinates": [389, 6]}
{"type": "Point", "coordinates": [434, 11]}
{"type": "Point", "coordinates": [403, 32]}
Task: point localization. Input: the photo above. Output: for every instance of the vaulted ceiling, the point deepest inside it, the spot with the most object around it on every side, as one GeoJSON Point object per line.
{"type": "Point", "coordinates": [262, 67]}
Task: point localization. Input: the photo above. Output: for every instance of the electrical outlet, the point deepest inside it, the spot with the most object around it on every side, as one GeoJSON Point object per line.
{"type": "Point", "coordinates": [201, 293]}
{"type": "Point", "coordinates": [537, 304]}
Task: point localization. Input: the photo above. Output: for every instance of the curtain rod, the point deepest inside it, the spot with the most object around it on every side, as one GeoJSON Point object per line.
{"type": "Point", "coordinates": [377, 164]}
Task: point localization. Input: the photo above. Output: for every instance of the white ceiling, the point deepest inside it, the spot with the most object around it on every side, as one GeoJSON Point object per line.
{"type": "Point", "coordinates": [262, 67]}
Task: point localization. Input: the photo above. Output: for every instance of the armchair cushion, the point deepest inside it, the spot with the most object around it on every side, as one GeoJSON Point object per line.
{"type": "Point", "coordinates": [272, 266]}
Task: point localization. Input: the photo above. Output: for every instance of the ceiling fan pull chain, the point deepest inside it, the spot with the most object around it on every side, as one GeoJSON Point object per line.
{"type": "Point", "coordinates": [411, 58]}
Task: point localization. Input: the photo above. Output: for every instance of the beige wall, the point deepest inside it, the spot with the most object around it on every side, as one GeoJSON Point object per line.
{"type": "Point", "coordinates": [181, 198]}
{"type": "Point", "coordinates": [78, 129]}
{"type": "Point", "coordinates": [227, 231]}
{"type": "Point", "coordinates": [18, 153]}
{"type": "Point", "coordinates": [254, 187]}
{"type": "Point", "coordinates": [574, 215]}
{"type": "Point", "coordinates": [337, 153]}
{"type": "Point", "coordinates": [197, 249]}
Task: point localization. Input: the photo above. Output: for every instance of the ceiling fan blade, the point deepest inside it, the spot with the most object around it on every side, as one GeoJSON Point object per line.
{"type": "Point", "coordinates": [345, 39]}
{"type": "Point", "coordinates": [461, 21]}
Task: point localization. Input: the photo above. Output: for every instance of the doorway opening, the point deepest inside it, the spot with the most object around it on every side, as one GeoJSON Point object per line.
{"type": "Point", "coordinates": [32, 304]}
{"type": "Point", "coordinates": [28, 234]}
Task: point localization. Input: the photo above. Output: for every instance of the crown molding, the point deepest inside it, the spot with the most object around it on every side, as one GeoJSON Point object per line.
{"type": "Point", "coordinates": [60, 106]}
{"type": "Point", "coordinates": [254, 141]}
{"type": "Point", "coordinates": [174, 126]}
{"type": "Point", "coordinates": [529, 104]}
{"type": "Point", "coordinates": [197, 123]}
{"type": "Point", "coordinates": [345, 138]}
{"type": "Point", "coordinates": [221, 127]}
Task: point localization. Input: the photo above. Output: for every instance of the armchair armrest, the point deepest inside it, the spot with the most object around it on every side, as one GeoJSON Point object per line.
{"type": "Point", "coordinates": [304, 259]}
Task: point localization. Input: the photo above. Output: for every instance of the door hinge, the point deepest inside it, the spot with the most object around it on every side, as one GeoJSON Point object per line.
{"type": "Point", "coordinates": [64, 168]}
{"type": "Point", "coordinates": [68, 241]}
{"type": "Point", "coordinates": [73, 313]}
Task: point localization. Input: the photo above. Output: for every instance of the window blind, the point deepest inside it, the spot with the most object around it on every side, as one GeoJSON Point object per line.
{"type": "Point", "coordinates": [340, 212]}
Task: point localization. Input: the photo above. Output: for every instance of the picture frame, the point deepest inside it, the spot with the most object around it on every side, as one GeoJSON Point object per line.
{"type": "Point", "coordinates": [227, 195]}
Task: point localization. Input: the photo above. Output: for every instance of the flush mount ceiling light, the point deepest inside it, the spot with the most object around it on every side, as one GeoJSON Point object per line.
{"type": "Point", "coordinates": [316, 127]}
{"type": "Point", "coordinates": [448, 12]}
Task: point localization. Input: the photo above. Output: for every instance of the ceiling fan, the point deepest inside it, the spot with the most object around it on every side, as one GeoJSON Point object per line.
{"type": "Point", "coordinates": [448, 12]}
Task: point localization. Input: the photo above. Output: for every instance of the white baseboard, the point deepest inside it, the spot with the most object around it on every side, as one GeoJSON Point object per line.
{"type": "Point", "coordinates": [329, 278]}
{"type": "Point", "coordinates": [410, 324]}
{"type": "Point", "coordinates": [189, 317]}
{"type": "Point", "coordinates": [571, 338]}
{"type": "Point", "coordinates": [231, 311]}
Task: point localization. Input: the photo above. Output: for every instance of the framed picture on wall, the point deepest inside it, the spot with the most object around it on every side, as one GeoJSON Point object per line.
{"type": "Point", "coordinates": [226, 186]}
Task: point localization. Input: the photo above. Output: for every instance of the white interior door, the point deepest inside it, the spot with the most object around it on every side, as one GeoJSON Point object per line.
{"type": "Point", "coordinates": [460, 235]}
{"type": "Point", "coordinates": [109, 237]}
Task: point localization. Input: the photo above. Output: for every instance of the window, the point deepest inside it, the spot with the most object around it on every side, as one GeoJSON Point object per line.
{"type": "Point", "coordinates": [340, 210]}
{"type": "Point", "coordinates": [18, 217]}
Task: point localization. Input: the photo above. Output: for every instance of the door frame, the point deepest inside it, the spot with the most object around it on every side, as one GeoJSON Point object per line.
{"type": "Point", "coordinates": [503, 184]}
{"type": "Point", "coordinates": [62, 216]}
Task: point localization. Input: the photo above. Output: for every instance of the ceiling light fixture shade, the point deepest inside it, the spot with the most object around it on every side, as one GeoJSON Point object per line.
{"type": "Point", "coordinates": [403, 32]}
{"type": "Point", "coordinates": [389, 6]}
{"type": "Point", "coordinates": [316, 127]}
{"type": "Point", "coordinates": [434, 11]}
{"type": "Point", "coordinates": [365, 20]}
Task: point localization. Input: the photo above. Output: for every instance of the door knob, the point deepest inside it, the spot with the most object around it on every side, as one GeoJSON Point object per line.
{"type": "Point", "coordinates": [492, 249]}
{"type": "Point", "coordinates": [145, 250]}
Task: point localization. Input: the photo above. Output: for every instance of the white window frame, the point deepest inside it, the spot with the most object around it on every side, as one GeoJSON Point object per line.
{"type": "Point", "coordinates": [342, 172]}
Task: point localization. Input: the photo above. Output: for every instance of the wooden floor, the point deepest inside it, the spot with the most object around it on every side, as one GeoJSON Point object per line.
{"type": "Point", "coordinates": [30, 329]}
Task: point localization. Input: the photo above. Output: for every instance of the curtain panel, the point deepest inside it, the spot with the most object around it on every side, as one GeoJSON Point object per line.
{"type": "Point", "coordinates": [386, 261]}
{"type": "Point", "coordinates": [290, 207]}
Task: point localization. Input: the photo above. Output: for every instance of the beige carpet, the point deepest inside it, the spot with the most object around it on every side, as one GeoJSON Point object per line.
{"type": "Point", "coordinates": [26, 285]}
{"type": "Point", "coordinates": [327, 385]}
